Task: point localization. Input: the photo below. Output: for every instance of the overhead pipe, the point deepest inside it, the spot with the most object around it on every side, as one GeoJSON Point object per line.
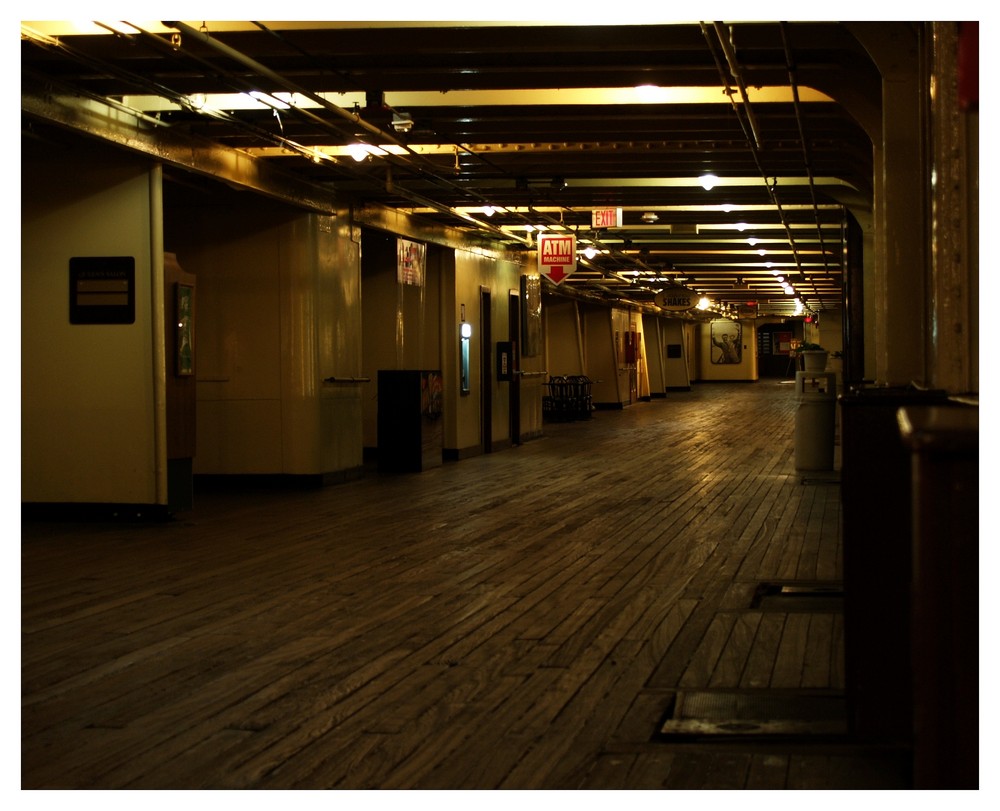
{"type": "Point", "coordinates": [267, 73]}
{"type": "Point", "coordinates": [753, 144]}
{"type": "Point", "coordinates": [793, 81]}
{"type": "Point", "coordinates": [352, 117]}
{"type": "Point", "coordinates": [737, 73]}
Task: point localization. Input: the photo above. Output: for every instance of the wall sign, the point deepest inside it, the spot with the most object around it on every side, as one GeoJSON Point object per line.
{"type": "Point", "coordinates": [676, 299]}
{"type": "Point", "coordinates": [102, 290]}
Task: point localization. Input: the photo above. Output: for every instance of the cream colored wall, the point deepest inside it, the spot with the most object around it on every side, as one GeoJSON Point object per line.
{"type": "Point", "coordinates": [664, 374]}
{"type": "Point", "coordinates": [474, 272]}
{"type": "Point", "coordinates": [563, 336]}
{"type": "Point", "coordinates": [277, 312]}
{"type": "Point", "coordinates": [604, 330]}
{"type": "Point", "coordinates": [830, 332]}
{"type": "Point", "coordinates": [91, 418]}
{"type": "Point", "coordinates": [676, 371]}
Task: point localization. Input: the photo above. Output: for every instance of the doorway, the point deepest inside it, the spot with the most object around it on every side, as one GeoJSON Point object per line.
{"type": "Point", "coordinates": [486, 367]}
{"type": "Point", "coordinates": [774, 358]}
{"type": "Point", "coordinates": [514, 332]}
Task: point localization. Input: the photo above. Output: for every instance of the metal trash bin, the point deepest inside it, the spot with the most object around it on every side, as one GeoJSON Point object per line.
{"type": "Point", "coordinates": [815, 420]}
{"type": "Point", "coordinates": [875, 491]}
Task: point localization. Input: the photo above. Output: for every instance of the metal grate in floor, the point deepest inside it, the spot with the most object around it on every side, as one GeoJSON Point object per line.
{"type": "Point", "coordinates": [825, 597]}
{"type": "Point", "coordinates": [714, 713]}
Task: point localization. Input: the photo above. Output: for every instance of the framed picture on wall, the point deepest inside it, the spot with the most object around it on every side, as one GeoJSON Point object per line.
{"type": "Point", "coordinates": [184, 305]}
{"type": "Point", "coordinates": [531, 317]}
{"type": "Point", "coordinates": [727, 342]}
{"type": "Point", "coordinates": [411, 262]}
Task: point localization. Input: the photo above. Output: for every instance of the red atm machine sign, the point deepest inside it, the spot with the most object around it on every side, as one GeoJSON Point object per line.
{"type": "Point", "coordinates": [556, 256]}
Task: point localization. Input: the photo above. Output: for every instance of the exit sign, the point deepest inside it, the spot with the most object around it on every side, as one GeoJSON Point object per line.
{"type": "Point", "coordinates": [606, 218]}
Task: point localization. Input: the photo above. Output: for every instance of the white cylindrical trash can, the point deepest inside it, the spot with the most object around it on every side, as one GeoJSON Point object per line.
{"type": "Point", "coordinates": [815, 420]}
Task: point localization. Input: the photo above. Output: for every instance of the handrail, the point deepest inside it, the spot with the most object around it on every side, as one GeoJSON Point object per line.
{"type": "Point", "coordinates": [531, 374]}
{"type": "Point", "coordinates": [347, 380]}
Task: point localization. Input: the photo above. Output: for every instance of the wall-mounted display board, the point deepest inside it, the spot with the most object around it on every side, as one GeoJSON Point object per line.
{"type": "Point", "coordinates": [102, 290]}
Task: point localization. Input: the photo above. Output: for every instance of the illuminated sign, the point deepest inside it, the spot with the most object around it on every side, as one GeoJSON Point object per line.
{"type": "Point", "coordinates": [606, 218]}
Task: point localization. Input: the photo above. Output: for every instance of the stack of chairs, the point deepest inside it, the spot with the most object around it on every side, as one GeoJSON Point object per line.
{"type": "Point", "coordinates": [569, 398]}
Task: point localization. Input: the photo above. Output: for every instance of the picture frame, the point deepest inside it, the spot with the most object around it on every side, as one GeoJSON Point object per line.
{"type": "Point", "coordinates": [184, 318]}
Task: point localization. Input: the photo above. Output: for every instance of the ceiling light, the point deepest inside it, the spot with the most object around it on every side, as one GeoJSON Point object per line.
{"type": "Point", "coordinates": [751, 241]}
{"type": "Point", "coordinates": [121, 27]}
{"type": "Point", "coordinates": [590, 251]}
{"type": "Point", "coordinates": [649, 217]}
{"type": "Point", "coordinates": [358, 151]}
{"type": "Point", "coordinates": [708, 182]}
{"type": "Point", "coordinates": [269, 100]}
{"type": "Point", "coordinates": [704, 303]}
{"type": "Point", "coordinates": [741, 226]}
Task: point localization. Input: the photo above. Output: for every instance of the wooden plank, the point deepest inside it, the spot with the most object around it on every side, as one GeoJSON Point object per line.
{"type": "Point", "coordinates": [732, 661]}
{"type": "Point", "coordinates": [789, 663]}
{"type": "Point", "coordinates": [513, 620]}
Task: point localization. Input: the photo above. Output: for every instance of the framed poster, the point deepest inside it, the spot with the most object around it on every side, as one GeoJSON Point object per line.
{"type": "Point", "coordinates": [411, 262]}
{"type": "Point", "coordinates": [727, 342]}
{"type": "Point", "coordinates": [184, 310]}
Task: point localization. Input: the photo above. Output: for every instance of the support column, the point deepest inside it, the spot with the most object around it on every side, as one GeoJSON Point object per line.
{"type": "Point", "coordinates": [901, 208]}
{"type": "Point", "coordinates": [954, 282]}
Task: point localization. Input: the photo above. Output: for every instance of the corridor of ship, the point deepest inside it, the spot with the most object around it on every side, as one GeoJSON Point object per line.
{"type": "Point", "coordinates": [532, 618]}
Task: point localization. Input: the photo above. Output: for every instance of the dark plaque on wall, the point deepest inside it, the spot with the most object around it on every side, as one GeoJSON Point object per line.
{"type": "Point", "coordinates": [102, 290]}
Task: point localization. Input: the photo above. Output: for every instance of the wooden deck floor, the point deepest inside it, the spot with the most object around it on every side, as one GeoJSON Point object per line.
{"type": "Point", "coordinates": [524, 619]}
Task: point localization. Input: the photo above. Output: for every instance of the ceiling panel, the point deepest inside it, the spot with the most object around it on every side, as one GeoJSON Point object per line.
{"type": "Point", "coordinates": [543, 122]}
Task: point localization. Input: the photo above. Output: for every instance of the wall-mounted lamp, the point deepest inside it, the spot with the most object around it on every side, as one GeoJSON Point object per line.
{"type": "Point", "coordinates": [465, 334]}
